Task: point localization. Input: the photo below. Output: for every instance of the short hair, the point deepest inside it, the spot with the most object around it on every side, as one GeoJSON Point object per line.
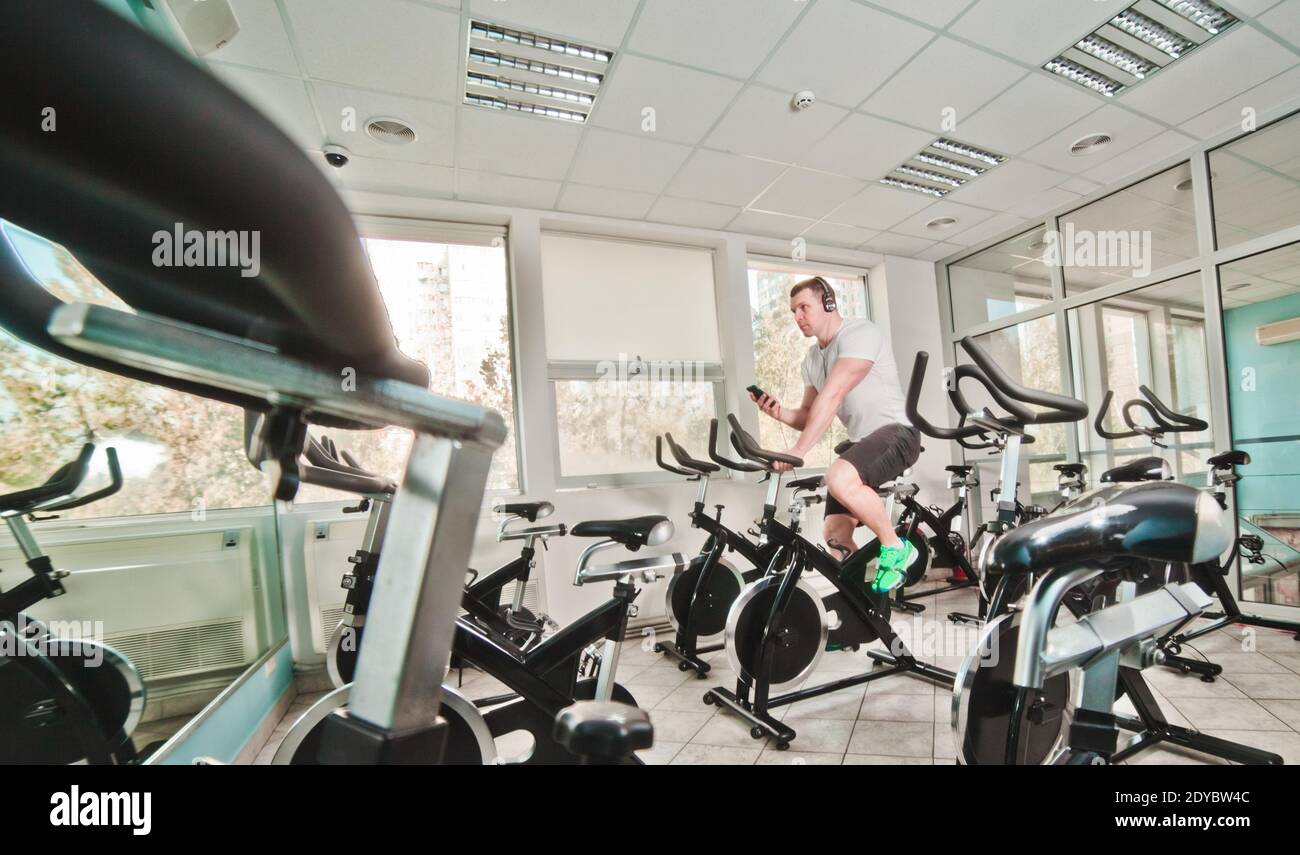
{"type": "Point", "coordinates": [815, 283]}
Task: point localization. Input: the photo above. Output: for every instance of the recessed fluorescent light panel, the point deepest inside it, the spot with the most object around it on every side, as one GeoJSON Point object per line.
{"type": "Point", "coordinates": [941, 167]}
{"type": "Point", "coordinates": [1139, 41]}
{"type": "Point", "coordinates": [514, 70]}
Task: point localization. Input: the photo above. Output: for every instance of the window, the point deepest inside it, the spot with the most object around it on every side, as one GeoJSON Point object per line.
{"type": "Point", "coordinates": [178, 452]}
{"type": "Point", "coordinates": [1255, 183]}
{"type": "Point", "coordinates": [779, 347]}
{"type": "Point", "coordinates": [1127, 235]}
{"type": "Point", "coordinates": [1004, 279]}
{"type": "Point", "coordinates": [1261, 316]}
{"type": "Point", "coordinates": [1029, 353]}
{"type": "Point", "coordinates": [632, 351]}
{"type": "Point", "coordinates": [449, 306]}
{"type": "Point", "coordinates": [1153, 337]}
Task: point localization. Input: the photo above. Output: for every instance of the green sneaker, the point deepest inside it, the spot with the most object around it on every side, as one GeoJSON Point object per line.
{"type": "Point", "coordinates": [891, 571]}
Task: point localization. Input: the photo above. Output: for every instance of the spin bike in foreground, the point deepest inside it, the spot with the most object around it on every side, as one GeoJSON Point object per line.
{"type": "Point", "coordinates": [1012, 703]}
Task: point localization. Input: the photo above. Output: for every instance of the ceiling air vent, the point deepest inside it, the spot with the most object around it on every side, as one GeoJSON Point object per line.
{"type": "Point", "coordinates": [1090, 144]}
{"type": "Point", "coordinates": [524, 72]}
{"type": "Point", "coordinates": [1139, 41]}
{"type": "Point", "coordinates": [391, 131]}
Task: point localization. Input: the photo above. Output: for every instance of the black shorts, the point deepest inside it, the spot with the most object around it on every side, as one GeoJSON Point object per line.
{"type": "Point", "coordinates": [880, 457]}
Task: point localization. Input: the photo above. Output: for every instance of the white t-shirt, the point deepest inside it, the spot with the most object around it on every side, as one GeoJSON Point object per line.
{"type": "Point", "coordinates": [878, 399]}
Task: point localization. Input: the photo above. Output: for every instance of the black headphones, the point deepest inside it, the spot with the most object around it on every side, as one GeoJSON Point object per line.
{"type": "Point", "coordinates": [828, 294]}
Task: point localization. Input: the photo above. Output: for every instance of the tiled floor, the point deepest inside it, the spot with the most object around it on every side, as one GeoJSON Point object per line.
{"type": "Point", "coordinates": [905, 720]}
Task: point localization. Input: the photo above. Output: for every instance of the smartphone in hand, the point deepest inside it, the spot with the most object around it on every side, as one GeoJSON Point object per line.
{"type": "Point", "coordinates": [756, 392]}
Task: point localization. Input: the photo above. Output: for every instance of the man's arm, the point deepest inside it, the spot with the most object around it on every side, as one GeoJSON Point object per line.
{"type": "Point", "coordinates": [845, 374]}
{"type": "Point", "coordinates": [795, 418]}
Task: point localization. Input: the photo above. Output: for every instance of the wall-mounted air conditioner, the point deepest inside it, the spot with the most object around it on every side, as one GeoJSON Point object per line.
{"type": "Point", "coordinates": [1278, 332]}
{"type": "Point", "coordinates": [177, 605]}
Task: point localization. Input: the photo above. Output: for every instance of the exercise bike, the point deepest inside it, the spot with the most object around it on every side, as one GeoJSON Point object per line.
{"type": "Point", "coordinates": [545, 678]}
{"type": "Point", "coordinates": [779, 626]}
{"type": "Point", "coordinates": [1003, 435]}
{"type": "Point", "coordinates": [328, 464]}
{"type": "Point", "coordinates": [1211, 576]}
{"type": "Point", "coordinates": [944, 544]}
{"type": "Point", "coordinates": [699, 597]}
{"type": "Point", "coordinates": [1092, 556]}
{"type": "Point", "coordinates": [61, 700]}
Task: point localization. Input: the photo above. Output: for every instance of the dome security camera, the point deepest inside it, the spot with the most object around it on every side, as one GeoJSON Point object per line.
{"type": "Point", "coordinates": [336, 155]}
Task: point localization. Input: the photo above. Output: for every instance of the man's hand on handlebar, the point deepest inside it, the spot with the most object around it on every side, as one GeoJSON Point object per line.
{"type": "Point", "coordinates": [767, 405]}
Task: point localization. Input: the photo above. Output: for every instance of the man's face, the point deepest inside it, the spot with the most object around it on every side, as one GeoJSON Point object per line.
{"type": "Point", "coordinates": [809, 314]}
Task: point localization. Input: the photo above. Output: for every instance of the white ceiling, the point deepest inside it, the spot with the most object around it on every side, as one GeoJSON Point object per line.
{"type": "Point", "coordinates": [726, 151]}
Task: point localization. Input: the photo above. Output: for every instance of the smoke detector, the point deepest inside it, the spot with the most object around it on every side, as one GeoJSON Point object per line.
{"type": "Point", "coordinates": [941, 223]}
{"type": "Point", "coordinates": [803, 99]}
{"type": "Point", "coordinates": [1091, 144]}
{"type": "Point", "coordinates": [389, 130]}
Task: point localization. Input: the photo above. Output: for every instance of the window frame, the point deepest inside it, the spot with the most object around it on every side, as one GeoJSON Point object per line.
{"type": "Point", "coordinates": [806, 268]}
{"type": "Point", "coordinates": [1206, 265]}
{"type": "Point", "coordinates": [423, 230]}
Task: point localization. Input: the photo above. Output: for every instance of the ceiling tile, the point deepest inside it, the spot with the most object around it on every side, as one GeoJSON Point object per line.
{"type": "Point", "coordinates": [947, 74]}
{"type": "Point", "coordinates": [1027, 113]}
{"type": "Point", "coordinates": [936, 13]}
{"type": "Point", "coordinates": [727, 36]}
{"type": "Point", "coordinates": [390, 176]}
{"type": "Point", "coordinates": [805, 193]}
{"type": "Point", "coordinates": [838, 34]}
{"type": "Point", "coordinates": [1010, 184]}
{"type": "Point", "coordinates": [473, 186]}
{"type": "Point", "coordinates": [601, 24]}
{"type": "Point", "coordinates": [605, 202]}
{"type": "Point", "coordinates": [1040, 203]}
{"type": "Point", "coordinates": [892, 244]}
{"type": "Point", "coordinates": [727, 179]}
{"type": "Point", "coordinates": [1126, 130]}
{"type": "Point", "coordinates": [1284, 20]}
{"type": "Point", "coordinates": [965, 215]}
{"type": "Point", "coordinates": [1078, 186]}
{"type": "Point", "coordinates": [770, 225]}
{"type": "Point", "coordinates": [627, 162]}
{"type": "Point", "coordinates": [1249, 7]}
{"type": "Point", "coordinates": [763, 123]}
{"type": "Point", "coordinates": [866, 147]}
{"type": "Point", "coordinates": [836, 234]}
{"type": "Point", "coordinates": [686, 102]}
{"type": "Point", "coordinates": [1234, 62]}
{"type": "Point", "coordinates": [1025, 30]}
{"type": "Point", "coordinates": [388, 45]}
{"type": "Point", "coordinates": [938, 251]}
{"type": "Point", "coordinates": [433, 123]}
{"type": "Point", "coordinates": [879, 207]}
{"type": "Point", "coordinates": [1229, 115]}
{"type": "Point", "coordinates": [262, 41]}
{"type": "Point", "coordinates": [514, 144]}
{"type": "Point", "coordinates": [284, 100]}
{"type": "Point", "coordinates": [990, 228]}
{"type": "Point", "coordinates": [690, 212]}
{"type": "Point", "coordinates": [1140, 157]}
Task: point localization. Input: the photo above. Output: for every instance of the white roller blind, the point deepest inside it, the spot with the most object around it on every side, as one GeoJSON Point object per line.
{"type": "Point", "coordinates": [604, 298]}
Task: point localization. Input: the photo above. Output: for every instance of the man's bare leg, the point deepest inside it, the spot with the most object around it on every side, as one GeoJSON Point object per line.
{"type": "Point", "coordinates": [837, 530]}
{"type": "Point", "coordinates": [844, 483]}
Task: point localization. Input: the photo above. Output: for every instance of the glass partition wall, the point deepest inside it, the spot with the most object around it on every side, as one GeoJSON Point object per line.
{"type": "Point", "coordinates": [1184, 283]}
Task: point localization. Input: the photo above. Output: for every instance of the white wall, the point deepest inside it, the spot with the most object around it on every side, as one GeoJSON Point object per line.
{"type": "Point", "coordinates": [905, 293]}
